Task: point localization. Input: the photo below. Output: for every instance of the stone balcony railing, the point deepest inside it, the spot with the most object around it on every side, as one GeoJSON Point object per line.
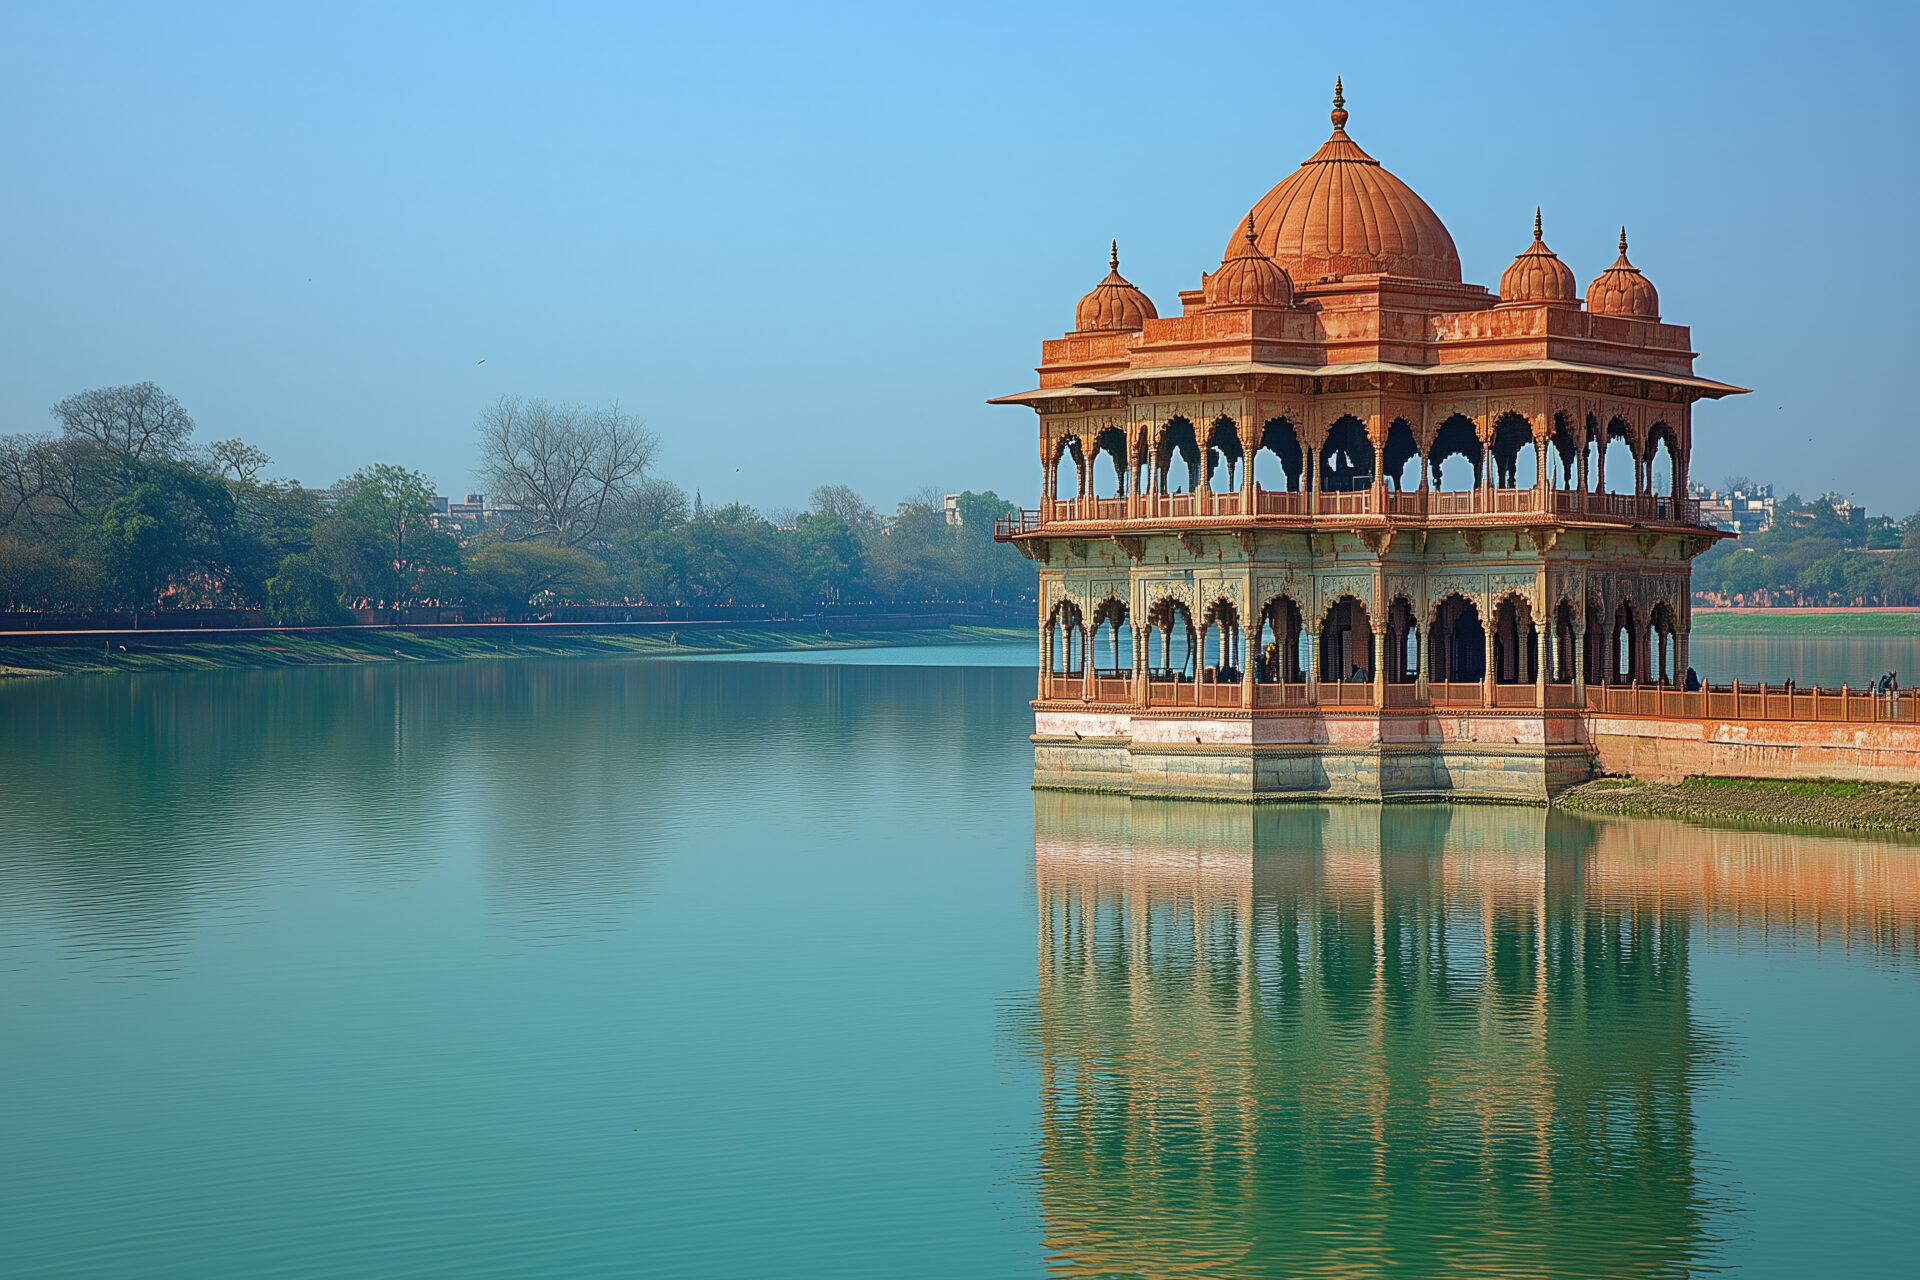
{"type": "Point", "coordinates": [1108, 691]}
{"type": "Point", "coordinates": [1288, 508]}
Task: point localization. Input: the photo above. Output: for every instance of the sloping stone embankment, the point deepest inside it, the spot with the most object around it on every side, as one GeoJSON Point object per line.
{"type": "Point", "coordinates": [1812, 803]}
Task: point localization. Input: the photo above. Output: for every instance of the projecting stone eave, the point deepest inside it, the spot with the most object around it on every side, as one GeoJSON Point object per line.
{"type": "Point", "coordinates": [1119, 382]}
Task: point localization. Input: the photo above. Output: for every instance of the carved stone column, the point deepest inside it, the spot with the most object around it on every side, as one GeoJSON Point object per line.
{"type": "Point", "coordinates": [1250, 655]}
{"type": "Point", "coordinates": [1139, 634]}
{"type": "Point", "coordinates": [1313, 664]}
{"type": "Point", "coordinates": [1543, 649]}
{"type": "Point", "coordinates": [1487, 676]}
{"type": "Point", "coordinates": [1046, 660]}
{"type": "Point", "coordinates": [1377, 652]}
{"type": "Point", "coordinates": [1377, 437]}
{"type": "Point", "coordinates": [1580, 659]}
{"type": "Point", "coordinates": [1423, 669]}
{"type": "Point", "coordinates": [1086, 663]}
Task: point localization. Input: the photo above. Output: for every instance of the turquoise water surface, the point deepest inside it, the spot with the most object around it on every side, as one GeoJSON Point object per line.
{"type": "Point", "coordinates": [723, 968]}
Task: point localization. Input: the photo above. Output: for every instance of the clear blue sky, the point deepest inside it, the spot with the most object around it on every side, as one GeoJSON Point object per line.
{"type": "Point", "coordinates": [806, 243]}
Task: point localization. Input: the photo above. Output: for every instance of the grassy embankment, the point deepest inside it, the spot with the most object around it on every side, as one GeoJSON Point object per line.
{"type": "Point", "coordinates": [1812, 805]}
{"type": "Point", "coordinates": [333, 647]}
{"type": "Point", "coordinates": [1786, 624]}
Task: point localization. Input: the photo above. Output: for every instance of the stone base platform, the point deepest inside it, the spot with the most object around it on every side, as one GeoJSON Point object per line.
{"type": "Point", "coordinates": [1525, 756]}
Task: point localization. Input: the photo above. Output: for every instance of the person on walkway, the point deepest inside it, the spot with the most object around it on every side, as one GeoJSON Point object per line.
{"type": "Point", "coordinates": [1693, 681]}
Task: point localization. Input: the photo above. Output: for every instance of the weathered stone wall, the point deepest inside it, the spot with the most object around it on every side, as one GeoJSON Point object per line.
{"type": "Point", "coordinates": [1336, 755]}
{"type": "Point", "coordinates": [1668, 750]}
{"type": "Point", "coordinates": [1469, 755]}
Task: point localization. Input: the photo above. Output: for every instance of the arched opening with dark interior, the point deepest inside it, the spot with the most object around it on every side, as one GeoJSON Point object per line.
{"type": "Point", "coordinates": [1111, 644]}
{"type": "Point", "coordinates": [1068, 466]}
{"type": "Point", "coordinates": [1622, 637]}
{"type": "Point", "coordinates": [1456, 643]}
{"type": "Point", "coordinates": [1401, 449]}
{"type": "Point", "coordinates": [1455, 439]}
{"type": "Point", "coordinates": [1067, 639]}
{"type": "Point", "coordinates": [1223, 456]}
{"type": "Point", "coordinates": [1110, 464]}
{"type": "Point", "coordinates": [1663, 462]}
{"type": "Point", "coordinates": [1618, 463]}
{"type": "Point", "coordinates": [1282, 636]}
{"type": "Point", "coordinates": [1514, 649]}
{"type": "Point", "coordinates": [1662, 652]}
{"type": "Point", "coordinates": [1561, 669]}
{"type": "Point", "coordinates": [1220, 658]}
{"type": "Point", "coordinates": [1346, 460]}
{"type": "Point", "coordinates": [1513, 453]}
{"type": "Point", "coordinates": [1280, 439]}
{"type": "Point", "coordinates": [1400, 652]}
{"type": "Point", "coordinates": [1346, 643]}
{"type": "Point", "coordinates": [1563, 452]}
{"type": "Point", "coordinates": [1594, 661]}
{"type": "Point", "coordinates": [1170, 642]}
{"type": "Point", "coordinates": [1178, 445]}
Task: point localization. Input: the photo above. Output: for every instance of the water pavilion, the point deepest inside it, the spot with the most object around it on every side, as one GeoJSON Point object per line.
{"type": "Point", "coordinates": [1347, 525]}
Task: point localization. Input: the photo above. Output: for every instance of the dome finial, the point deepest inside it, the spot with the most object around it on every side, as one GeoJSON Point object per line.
{"type": "Point", "coordinates": [1251, 238]}
{"type": "Point", "coordinates": [1339, 105]}
{"type": "Point", "coordinates": [1113, 256]}
{"type": "Point", "coordinates": [1536, 222]}
{"type": "Point", "coordinates": [1623, 242]}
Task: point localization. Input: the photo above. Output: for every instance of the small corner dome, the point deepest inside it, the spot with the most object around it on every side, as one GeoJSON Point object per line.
{"type": "Point", "coordinates": [1621, 290]}
{"type": "Point", "coordinates": [1114, 304]}
{"type": "Point", "coordinates": [1249, 278]}
{"type": "Point", "coordinates": [1538, 275]}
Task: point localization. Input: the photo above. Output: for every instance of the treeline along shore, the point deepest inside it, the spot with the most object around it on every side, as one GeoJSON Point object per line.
{"type": "Point", "coordinates": [119, 511]}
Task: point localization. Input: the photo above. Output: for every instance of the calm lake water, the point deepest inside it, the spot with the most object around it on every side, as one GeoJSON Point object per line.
{"type": "Point", "coordinates": [744, 969]}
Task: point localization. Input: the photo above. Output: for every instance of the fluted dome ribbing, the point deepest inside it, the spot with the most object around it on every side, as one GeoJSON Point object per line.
{"type": "Point", "coordinates": [1114, 304]}
{"type": "Point", "coordinates": [1538, 275]}
{"type": "Point", "coordinates": [1249, 278]}
{"type": "Point", "coordinates": [1340, 213]}
{"type": "Point", "coordinates": [1621, 290]}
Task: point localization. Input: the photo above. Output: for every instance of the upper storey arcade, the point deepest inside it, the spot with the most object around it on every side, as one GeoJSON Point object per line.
{"type": "Point", "coordinates": [1337, 325]}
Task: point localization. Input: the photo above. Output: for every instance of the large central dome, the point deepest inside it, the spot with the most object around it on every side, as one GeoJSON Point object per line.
{"type": "Point", "coordinates": [1341, 214]}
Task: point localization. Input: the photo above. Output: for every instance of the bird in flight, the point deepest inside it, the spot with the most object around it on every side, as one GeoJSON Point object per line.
{"type": "Point", "coordinates": [481, 360]}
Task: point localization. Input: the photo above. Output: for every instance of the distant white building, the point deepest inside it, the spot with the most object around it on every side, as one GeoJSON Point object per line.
{"type": "Point", "coordinates": [1741, 511]}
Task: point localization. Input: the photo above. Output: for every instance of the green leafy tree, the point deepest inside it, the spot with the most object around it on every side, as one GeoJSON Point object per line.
{"type": "Point", "coordinates": [172, 524]}
{"type": "Point", "coordinates": [34, 575]}
{"type": "Point", "coordinates": [302, 594]}
{"type": "Point", "coordinates": [510, 576]}
{"type": "Point", "coordinates": [390, 508]}
{"type": "Point", "coordinates": [828, 557]}
{"type": "Point", "coordinates": [993, 570]}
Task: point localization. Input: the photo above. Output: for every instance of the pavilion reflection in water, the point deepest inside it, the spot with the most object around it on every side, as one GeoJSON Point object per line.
{"type": "Point", "coordinates": [1353, 1040]}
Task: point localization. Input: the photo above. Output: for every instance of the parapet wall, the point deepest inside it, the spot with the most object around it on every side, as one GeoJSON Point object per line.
{"type": "Point", "coordinates": [1433, 755]}
{"type": "Point", "coordinates": [1667, 750]}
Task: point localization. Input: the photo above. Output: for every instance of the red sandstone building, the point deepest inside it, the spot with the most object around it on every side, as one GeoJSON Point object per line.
{"type": "Point", "coordinates": [1345, 524]}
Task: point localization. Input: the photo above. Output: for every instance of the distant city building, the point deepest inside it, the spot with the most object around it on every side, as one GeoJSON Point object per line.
{"type": "Point", "coordinates": [1741, 511]}
{"type": "Point", "coordinates": [1855, 517]}
{"type": "Point", "coordinates": [952, 504]}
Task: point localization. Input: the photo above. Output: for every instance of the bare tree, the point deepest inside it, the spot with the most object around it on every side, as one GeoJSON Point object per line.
{"type": "Point", "coordinates": [133, 424]}
{"type": "Point", "coordinates": [840, 500]}
{"type": "Point", "coordinates": [237, 458]}
{"type": "Point", "coordinates": [568, 469]}
{"type": "Point", "coordinates": [26, 471]}
{"type": "Point", "coordinates": [658, 503]}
